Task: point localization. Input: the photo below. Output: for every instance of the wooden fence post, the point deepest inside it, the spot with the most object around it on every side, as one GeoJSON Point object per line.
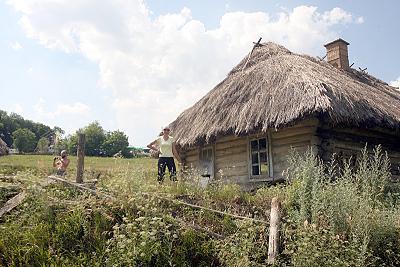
{"type": "Point", "coordinates": [273, 244]}
{"type": "Point", "coordinates": [81, 156]}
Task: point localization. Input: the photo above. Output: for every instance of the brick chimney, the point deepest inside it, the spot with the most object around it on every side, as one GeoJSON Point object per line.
{"type": "Point", "coordinates": [337, 54]}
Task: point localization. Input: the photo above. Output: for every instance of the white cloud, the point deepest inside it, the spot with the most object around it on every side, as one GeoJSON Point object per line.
{"type": "Point", "coordinates": [69, 117]}
{"type": "Point", "coordinates": [15, 46]}
{"type": "Point", "coordinates": [75, 109]}
{"type": "Point", "coordinates": [17, 108]}
{"type": "Point", "coordinates": [157, 67]}
{"type": "Point", "coordinates": [360, 20]}
{"type": "Point", "coordinates": [395, 83]}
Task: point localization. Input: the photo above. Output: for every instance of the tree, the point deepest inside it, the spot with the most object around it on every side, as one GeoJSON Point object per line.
{"type": "Point", "coordinates": [114, 142]}
{"type": "Point", "coordinates": [12, 122]}
{"type": "Point", "coordinates": [42, 146]}
{"type": "Point", "coordinates": [24, 140]}
{"type": "Point", "coordinates": [70, 143]}
{"type": "Point", "coordinates": [95, 137]}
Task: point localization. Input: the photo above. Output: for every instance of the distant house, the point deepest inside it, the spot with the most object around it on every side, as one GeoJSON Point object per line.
{"type": "Point", "coordinates": [3, 148]}
{"type": "Point", "coordinates": [275, 100]}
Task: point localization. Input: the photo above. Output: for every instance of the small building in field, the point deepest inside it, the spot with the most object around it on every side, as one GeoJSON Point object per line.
{"type": "Point", "coordinates": [3, 148]}
{"type": "Point", "coordinates": [274, 101]}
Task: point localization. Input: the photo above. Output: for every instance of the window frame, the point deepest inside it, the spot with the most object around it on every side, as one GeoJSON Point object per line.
{"type": "Point", "coordinates": [201, 150]}
{"type": "Point", "coordinates": [268, 150]}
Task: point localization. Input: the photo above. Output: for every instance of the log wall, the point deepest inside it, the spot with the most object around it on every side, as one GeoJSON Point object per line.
{"type": "Point", "coordinates": [347, 143]}
{"type": "Point", "coordinates": [231, 153]}
{"type": "Point", "coordinates": [300, 137]}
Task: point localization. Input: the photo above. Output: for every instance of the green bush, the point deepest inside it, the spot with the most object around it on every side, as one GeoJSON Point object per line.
{"type": "Point", "coordinates": [350, 211]}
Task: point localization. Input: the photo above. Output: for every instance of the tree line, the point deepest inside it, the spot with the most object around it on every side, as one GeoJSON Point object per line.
{"type": "Point", "coordinates": [28, 137]}
{"type": "Point", "coordinates": [19, 132]}
{"type": "Point", "coordinates": [98, 142]}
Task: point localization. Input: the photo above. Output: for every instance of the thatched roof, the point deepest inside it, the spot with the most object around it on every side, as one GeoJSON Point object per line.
{"type": "Point", "coordinates": [276, 88]}
{"type": "Point", "coordinates": [3, 148]}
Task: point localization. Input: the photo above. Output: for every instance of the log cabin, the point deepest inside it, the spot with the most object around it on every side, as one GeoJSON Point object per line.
{"type": "Point", "coordinates": [274, 101]}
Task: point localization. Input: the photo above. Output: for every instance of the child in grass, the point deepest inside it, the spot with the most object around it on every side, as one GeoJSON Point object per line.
{"type": "Point", "coordinates": [61, 163]}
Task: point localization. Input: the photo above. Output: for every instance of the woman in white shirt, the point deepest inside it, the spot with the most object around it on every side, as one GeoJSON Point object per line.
{"type": "Point", "coordinates": [165, 145]}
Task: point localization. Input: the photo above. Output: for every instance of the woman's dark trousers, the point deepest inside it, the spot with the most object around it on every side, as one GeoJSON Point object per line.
{"type": "Point", "coordinates": [168, 162]}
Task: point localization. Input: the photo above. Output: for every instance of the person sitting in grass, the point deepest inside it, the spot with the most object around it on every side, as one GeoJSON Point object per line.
{"type": "Point", "coordinates": [166, 147]}
{"type": "Point", "coordinates": [61, 163]}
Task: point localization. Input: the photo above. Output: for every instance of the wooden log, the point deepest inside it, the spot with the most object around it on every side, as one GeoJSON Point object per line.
{"type": "Point", "coordinates": [80, 186]}
{"type": "Point", "coordinates": [12, 203]}
{"type": "Point", "coordinates": [273, 244]}
{"type": "Point", "coordinates": [198, 228]}
{"type": "Point", "coordinates": [292, 140]}
{"type": "Point", "coordinates": [287, 133]}
{"type": "Point", "coordinates": [81, 157]}
{"type": "Point", "coordinates": [231, 151]}
{"type": "Point", "coordinates": [232, 143]}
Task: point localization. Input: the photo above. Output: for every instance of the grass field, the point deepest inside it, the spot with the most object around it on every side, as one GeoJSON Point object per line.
{"type": "Point", "coordinates": [45, 163]}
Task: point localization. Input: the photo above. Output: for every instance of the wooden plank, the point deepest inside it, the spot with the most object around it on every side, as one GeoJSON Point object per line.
{"type": "Point", "coordinates": [290, 140]}
{"type": "Point", "coordinates": [286, 133]}
{"type": "Point", "coordinates": [237, 164]}
{"type": "Point", "coordinates": [229, 144]}
{"type": "Point", "coordinates": [231, 151]}
{"type": "Point", "coordinates": [234, 171]}
{"type": "Point", "coordinates": [191, 152]}
{"type": "Point", "coordinates": [229, 161]}
{"type": "Point", "coordinates": [81, 156]}
{"type": "Point", "coordinates": [228, 138]}
{"type": "Point", "coordinates": [192, 158]}
{"type": "Point", "coordinates": [284, 149]}
{"type": "Point", "coordinates": [306, 122]}
{"type": "Point", "coordinates": [79, 186]}
{"type": "Point", "coordinates": [12, 203]}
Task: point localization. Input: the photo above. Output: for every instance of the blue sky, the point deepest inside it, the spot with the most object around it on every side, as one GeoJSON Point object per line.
{"type": "Point", "coordinates": [136, 65]}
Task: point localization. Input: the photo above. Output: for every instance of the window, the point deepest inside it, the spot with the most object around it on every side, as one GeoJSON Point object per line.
{"type": "Point", "coordinates": [206, 154]}
{"type": "Point", "coordinates": [207, 162]}
{"type": "Point", "coordinates": [260, 167]}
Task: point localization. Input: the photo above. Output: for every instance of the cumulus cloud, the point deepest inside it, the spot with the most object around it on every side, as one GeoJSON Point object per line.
{"type": "Point", "coordinates": [158, 66]}
{"type": "Point", "coordinates": [69, 117]}
{"type": "Point", "coordinates": [395, 83]}
{"type": "Point", "coordinates": [76, 109]}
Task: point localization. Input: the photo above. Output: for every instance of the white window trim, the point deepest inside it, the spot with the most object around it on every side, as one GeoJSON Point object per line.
{"type": "Point", "coordinates": [261, 178]}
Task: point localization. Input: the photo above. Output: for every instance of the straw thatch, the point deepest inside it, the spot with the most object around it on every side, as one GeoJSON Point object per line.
{"type": "Point", "coordinates": [274, 88]}
{"type": "Point", "coordinates": [3, 148]}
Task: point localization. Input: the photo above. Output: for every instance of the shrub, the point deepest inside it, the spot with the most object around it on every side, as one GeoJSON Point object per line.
{"type": "Point", "coordinates": [351, 214]}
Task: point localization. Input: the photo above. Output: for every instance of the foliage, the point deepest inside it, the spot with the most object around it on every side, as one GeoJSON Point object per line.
{"type": "Point", "coordinates": [42, 146]}
{"type": "Point", "coordinates": [97, 142]}
{"type": "Point", "coordinates": [115, 142]}
{"type": "Point", "coordinates": [71, 144]}
{"type": "Point", "coordinates": [24, 140]}
{"type": "Point", "coordinates": [341, 217]}
{"type": "Point", "coordinates": [12, 122]}
{"type": "Point", "coordinates": [333, 215]}
{"type": "Point", "coordinates": [95, 137]}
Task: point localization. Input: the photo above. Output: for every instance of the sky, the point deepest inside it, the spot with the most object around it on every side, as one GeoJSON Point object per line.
{"type": "Point", "coordinates": [135, 65]}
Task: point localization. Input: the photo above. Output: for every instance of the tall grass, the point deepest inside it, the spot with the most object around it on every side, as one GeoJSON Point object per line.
{"type": "Point", "coordinates": [338, 217]}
